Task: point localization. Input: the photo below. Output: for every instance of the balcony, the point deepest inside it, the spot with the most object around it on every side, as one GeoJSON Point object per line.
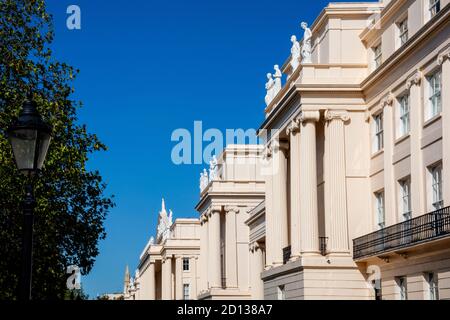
{"type": "Point", "coordinates": [429, 227]}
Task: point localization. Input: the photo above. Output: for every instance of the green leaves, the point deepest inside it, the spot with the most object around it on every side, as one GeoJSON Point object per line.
{"type": "Point", "coordinates": [71, 205]}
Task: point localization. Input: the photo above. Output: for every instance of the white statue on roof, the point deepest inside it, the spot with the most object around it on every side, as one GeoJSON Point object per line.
{"type": "Point", "coordinates": [295, 53]}
{"type": "Point", "coordinates": [164, 224]}
{"type": "Point", "coordinates": [204, 180]}
{"type": "Point", "coordinates": [307, 46]}
{"type": "Point", "coordinates": [213, 168]}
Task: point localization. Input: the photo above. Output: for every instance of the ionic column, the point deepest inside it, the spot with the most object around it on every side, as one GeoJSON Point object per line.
{"type": "Point", "coordinates": [293, 131]}
{"type": "Point", "coordinates": [335, 182]}
{"type": "Point", "coordinates": [268, 172]}
{"type": "Point", "coordinates": [193, 266]}
{"type": "Point", "coordinates": [418, 203]}
{"type": "Point", "coordinates": [280, 216]}
{"type": "Point", "coordinates": [309, 215]}
{"type": "Point", "coordinates": [166, 279]}
{"type": "Point", "coordinates": [151, 281]}
{"type": "Point", "coordinates": [444, 61]}
{"type": "Point", "coordinates": [257, 267]}
{"type": "Point", "coordinates": [178, 278]}
{"type": "Point", "coordinates": [230, 247]}
{"type": "Point", "coordinates": [204, 255]}
{"type": "Point", "coordinates": [214, 248]}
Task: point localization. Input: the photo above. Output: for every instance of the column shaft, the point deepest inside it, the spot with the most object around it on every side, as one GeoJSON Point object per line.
{"type": "Point", "coordinates": [280, 217]}
{"type": "Point", "coordinates": [335, 183]}
{"type": "Point", "coordinates": [151, 281]}
{"type": "Point", "coordinates": [214, 250]}
{"type": "Point", "coordinates": [167, 279]}
{"type": "Point", "coordinates": [179, 278]}
{"type": "Point", "coordinates": [309, 216]}
{"type": "Point", "coordinates": [257, 265]}
{"type": "Point", "coordinates": [193, 265]}
{"type": "Point", "coordinates": [294, 133]}
{"type": "Point", "coordinates": [269, 208]}
{"type": "Point", "coordinates": [230, 249]}
{"type": "Point", "coordinates": [418, 198]}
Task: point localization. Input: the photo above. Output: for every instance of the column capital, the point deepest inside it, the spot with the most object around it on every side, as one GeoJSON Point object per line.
{"type": "Point", "coordinates": [178, 256]}
{"type": "Point", "coordinates": [342, 115]}
{"type": "Point", "coordinates": [254, 246]}
{"type": "Point", "coordinates": [204, 218]}
{"type": "Point", "coordinates": [309, 116]}
{"type": "Point", "coordinates": [294, 127]}
{"type": "Point", "coordinates": [444, 55]}
{"type": "Point", "coordinates": [233, 209]}
{"type": "Point", "coordinates": [388, 100]}
{"type": "Point", "coordinates": [414, 80]}
{"type": "Point", "coordinates": [214, 209]}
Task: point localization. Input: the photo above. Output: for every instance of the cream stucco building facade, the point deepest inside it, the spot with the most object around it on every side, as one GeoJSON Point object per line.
{"type": "Point", "coordinates": [348, 197]}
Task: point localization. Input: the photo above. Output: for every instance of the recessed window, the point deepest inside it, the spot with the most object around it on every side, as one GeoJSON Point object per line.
{"type": "Point", "coordinates": [435, 7]}
{"type": "Point", "coordinates": [281, 293]}
{"type": "Point", "coordinates": [403, 31]}
{"type": "Point", "coordinates": [402, 287]}
{"type": "Point", "coordinates": [379, 208]}
{"type": "Point", "coordinates": [435, 94]}
{"type": "Point", "coordinates": [185, 264]}
{"type": "Point", "coordinates": [405, 199]}
{"type": "Point", "coordinates": [377, 56]}
{"type": "Point", "coordinates": [433, 286]}
{"type": "Point", "coordinates": [436, 187]}
{"type": "Point", "coordinates": [378, 133]}
{"type": "Point", "coordinates": [404, 115]}
{"type": "Point", "coordinates": [186, 291]}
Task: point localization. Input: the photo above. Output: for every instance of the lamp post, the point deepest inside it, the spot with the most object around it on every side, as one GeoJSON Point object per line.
{"type": "Point", "coordinates": [30, 138]}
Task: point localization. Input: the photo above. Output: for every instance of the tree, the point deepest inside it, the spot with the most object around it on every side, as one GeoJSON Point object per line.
{"type": "Point", "coordinates": [71, 204]}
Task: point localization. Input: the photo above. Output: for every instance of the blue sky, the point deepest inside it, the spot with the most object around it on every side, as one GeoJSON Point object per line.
{"type": "Point", "coordinates": [149, 67]}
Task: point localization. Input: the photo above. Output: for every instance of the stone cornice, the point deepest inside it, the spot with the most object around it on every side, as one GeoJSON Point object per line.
{"type": "Point", "coordinates": [337, 115]}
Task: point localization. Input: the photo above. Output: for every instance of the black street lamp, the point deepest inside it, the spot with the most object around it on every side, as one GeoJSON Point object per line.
{"type": "Point", "coordinates": [30, 138]}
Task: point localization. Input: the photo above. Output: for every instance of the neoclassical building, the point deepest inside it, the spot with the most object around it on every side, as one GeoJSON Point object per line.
{"type": "Point", "coordinates": [349, 195]}
{"type": "Point", "coordinates": [168, 266]}
{"type": "Point", "coordinates": [356, 138]}
{"type": "Point", "coordinates": [235, 187]}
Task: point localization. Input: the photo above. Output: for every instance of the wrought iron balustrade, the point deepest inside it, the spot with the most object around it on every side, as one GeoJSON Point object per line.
{"type": "Point", "coordinates": [286, 254]}
{"type": "Point", "coordinates": [427, 227]}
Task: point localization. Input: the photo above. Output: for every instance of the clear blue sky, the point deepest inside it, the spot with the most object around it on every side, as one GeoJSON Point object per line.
{"type": "Point", "coordinates": [149, 67]}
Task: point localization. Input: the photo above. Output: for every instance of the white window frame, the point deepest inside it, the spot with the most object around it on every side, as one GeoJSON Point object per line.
{"type": "Point", "coordinates": [378, 133]}
{"type": "Point", "coordinates": [434, 6]}
{"type": "Point", "coordinates": [186, 262]}
{"type": "Point", "coordinates": [186, 291]}
{"type": "Point", "coordinates": [434, 94]}
{"type": "Point", "coordinates": [403, 32]}
{"type": "Point", "coordinates": [377, 55]}
{"type": "Point", "coordinates": [380, 210]}
{"type": "Point", "coordinates": [405, 199]}
{"type": "Point", "coordinates": [436, 187]}
{"type": "Point", "coordinates": [404, 115]}
{"type": "Point", "coordinates": [281, 292]}
{"type": "Point", "coordinates": [402, 284]}
{"type": "Point", "coordinates": [433, 285]}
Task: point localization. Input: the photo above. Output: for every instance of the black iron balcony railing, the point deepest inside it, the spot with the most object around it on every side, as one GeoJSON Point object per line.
{"type": "Point", "coordinates": [428, 227]}
{"type": "Point", "coordinates": [323, 245]}
{"type": "Point", "coordinates": [286, 254]}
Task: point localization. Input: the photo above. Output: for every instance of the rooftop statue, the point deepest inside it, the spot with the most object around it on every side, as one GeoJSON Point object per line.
{"type": "Point", "coordinates": [164, 224]}
{"type": "Point", "coordinates": [295, 53]}
{"type": "Point", "coordinates": [277, 75]}
{"type": "Point", "coordinates": [306, 47]}
{"type": "Point", "coordinates": [204, 180]}
{"type": "Point", "coordinates": [213, 168]}
{"type": "Point", "coordinates": [269, 88]}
